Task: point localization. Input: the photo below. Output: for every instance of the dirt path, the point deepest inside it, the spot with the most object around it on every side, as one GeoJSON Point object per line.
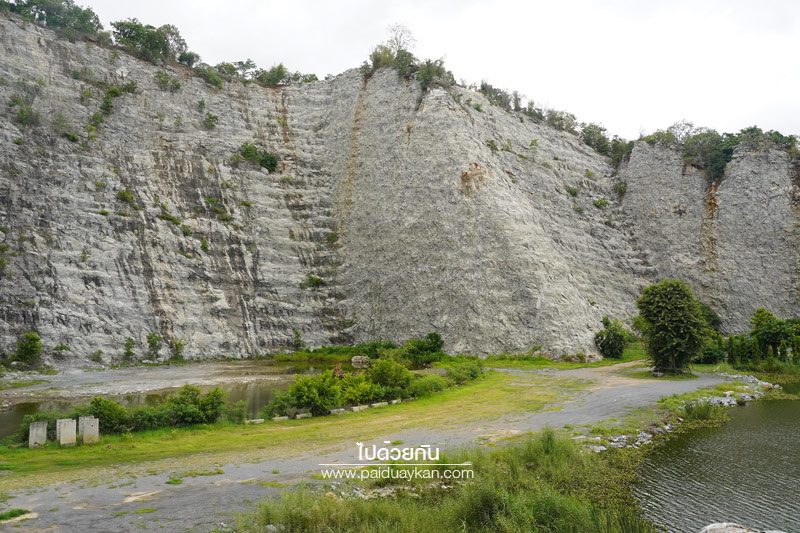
{"type": "Point", "coordinates": [205, 503]}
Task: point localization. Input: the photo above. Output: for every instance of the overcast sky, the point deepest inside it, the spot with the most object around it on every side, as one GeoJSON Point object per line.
{"type": "Point", "coordinates": [633, 66]}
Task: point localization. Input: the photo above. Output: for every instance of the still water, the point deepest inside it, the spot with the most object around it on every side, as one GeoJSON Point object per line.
{"type": "Point", "coordinates": [255, 395]}
{"type": "Point", "coordinates": [746, 471]}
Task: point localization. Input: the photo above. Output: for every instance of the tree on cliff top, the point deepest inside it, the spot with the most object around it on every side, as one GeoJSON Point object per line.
{"type": "Point", "coordinates": [672, 324]}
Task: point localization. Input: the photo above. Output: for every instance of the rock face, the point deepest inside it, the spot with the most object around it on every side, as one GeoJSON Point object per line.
{"type": "Point", "coordinates": [736, 240]}
{"type": "Point", "coordinates": [392, 213]}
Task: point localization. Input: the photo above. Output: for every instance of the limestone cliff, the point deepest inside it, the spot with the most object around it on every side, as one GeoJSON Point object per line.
{"type": "Point", "coordinates": [392, 212]}
{"type": "Point", "coordinates": [735, 240]}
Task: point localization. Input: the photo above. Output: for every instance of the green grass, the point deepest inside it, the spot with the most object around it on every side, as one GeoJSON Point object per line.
{"type": "Point", "coordinates": [174, 481]}
{"type": "Point", "coordinates": [144, 510]}
{"type": "Point", "coordinates": [200, 473]}
{"type": "Point", "coordinates": [494, 395]}
{"type": "Point", "coordinates": [20, 384]}
{"type": "Point", "coordinates": [12, 513]}
{"type": "Point", "coordinates": [543, 483]}
{"type": "Point", "coordinates": [633, 352]}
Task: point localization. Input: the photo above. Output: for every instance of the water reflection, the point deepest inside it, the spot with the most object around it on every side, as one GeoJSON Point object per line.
{"type": "Point", "coordinates": [255, 394]}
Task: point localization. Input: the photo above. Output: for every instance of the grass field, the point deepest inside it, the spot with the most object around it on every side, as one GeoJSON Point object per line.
{"type": "Point", "coordinates": [494, 395]}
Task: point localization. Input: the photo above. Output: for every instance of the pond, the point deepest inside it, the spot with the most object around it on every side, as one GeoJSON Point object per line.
{"type": "Point", "coordinates": [256, 395]}
{"type": "Point", "coordinates": [746, 471]}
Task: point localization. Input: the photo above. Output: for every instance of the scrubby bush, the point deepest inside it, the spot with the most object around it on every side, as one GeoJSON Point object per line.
{"type": "Point", "coordinates": [236, 412]}
{"type": "Point", "coordinates": [595, 136]}
{"type": "Point", "coordinates": [319, 393]}
{"type": "Point", "coordinates": [673, 326]}
{"type": "Point", "coordinates": [29, 349]}
{"type": "Point", "coordinates": [148, 42]}
{"type": "Point", "coordinates": [154, 341]}
{"type": "Point", "coordinates": [459, 372]}
{"type": "Point", "coordinates": [611, 339]}
{"type": "Point", "coordinates": [433, 71]}
{"type": "Point", "coordinates": [357, 390]}
{"type": "Point", "coordinates": [259, 156]}
{"type": "Point", "coordinates": [388, 373]}
{"type": "Point", "coordinates": [210, 75]}
{"type": "Point", "coordinates": [188, 58]}
{"type": "Point", "coordinates": [426, 385]}
{"type": "Point", "coordinates": [127, 349]}
{"type": "Point", "coordinates": [63, 15]}
{"type": "Point", "coordinates": [424, 352]}
{"type": "Point", "coordinates": [166, 82]}
{"type": "Point", "coordinates": [114, 418]}
{"type": "Point", "coordinates": [600, 203]}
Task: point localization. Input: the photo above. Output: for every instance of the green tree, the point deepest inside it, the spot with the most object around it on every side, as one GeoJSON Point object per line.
{"type": "Point", "coordinates": [148, 42]}
{"type": "Point", "coordinates": [672, 324]}
{"type": "Point", "coordinates": [276, 75]}
{"type": "Point", "coordinates": [595, 136]}
{"type": "Point", "coordinates": [29, 349]}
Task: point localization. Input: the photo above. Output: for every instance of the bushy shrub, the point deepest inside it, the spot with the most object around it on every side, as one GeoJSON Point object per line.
{"type": "Point", "coordinates": [166, 82]}
{"type": "Point", "coordinates": [281, 404]}
{"type": "Point", "coordinates": [190, 406]}
{"type": "Point", "coordinates": [236, 412]}
{"type": "Point", "coordinates": [210, 75]}
{"type": "Point", "coordinates": [154, 341]}
{"type": "Point", "coordinates": [319, 393]}
{"type": "Point", "coordinates": [62, 15]}
{"type": "Point", "coordinates": [388, 373]}
{"type": "Point", "coordinates": [29, 349]}
{"type": "Point", "coordinates": [254, 154]}
{"type": "Point", "coordinates": [147, 418]}
{"type": "Point", "coordinates": [148, 42]}
{"type": "Point", "coordinates": [673, 327]}
{"type": "Point", "coordinates": [188, 58]}
{"type": "Point", "coordinates": [433, 71]}
{"type": "Point", "coordinates": [611, 339]}
{"type": "Point", "coordinates": [357, 390]}
{"type": "Point", "coordinates": [426, 385]}
{"type": "Point", "coordinates": [424, 352]}
{"type": "Point", "coordinates": [595, 136]}
{"type": "Point", "coordinates": [459, 372]}
{"type": "Point", "coordinates": [114, 418]}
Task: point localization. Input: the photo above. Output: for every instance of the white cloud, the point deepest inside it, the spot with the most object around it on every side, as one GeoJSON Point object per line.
{"type": "Point", "coordinates": [627, 64]}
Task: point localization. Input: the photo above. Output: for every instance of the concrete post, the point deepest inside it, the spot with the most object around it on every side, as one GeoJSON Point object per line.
{"type": "Point", "coordinates": [65, 431]}
{"type": "Point", "coordinates": [37, 434]}
{"type": "Point", "coordinates": [88, 429]}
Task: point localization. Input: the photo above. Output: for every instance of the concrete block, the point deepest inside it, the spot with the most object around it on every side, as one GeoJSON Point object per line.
{"type": "Point", "coordinates": [37, 434]}
{"type": "Point", "coordinates": [395, 402]}
{"type": "Point", "coordinates": [357, 408]}
{"type": "Point", "coordinates": [338, 411]}
{"type": "Point", "coordinates": [254, 421]}
{"type": "Point", "coordinates": [66, 431]}
{"type": "Point", "coordinates": [298, 416]}
{"type": "Point", "coordinates": [89, 429]}
{"type": "Point", "coordinates": [379, 404]}
{"type": "Point", "coordinates": [279, 418]}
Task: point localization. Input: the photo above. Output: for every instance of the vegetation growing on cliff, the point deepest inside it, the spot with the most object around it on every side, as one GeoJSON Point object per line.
{"type": "Point", "coordinates": [62, 15]}
{"type": "Point", "coordinates": [711, 151]}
